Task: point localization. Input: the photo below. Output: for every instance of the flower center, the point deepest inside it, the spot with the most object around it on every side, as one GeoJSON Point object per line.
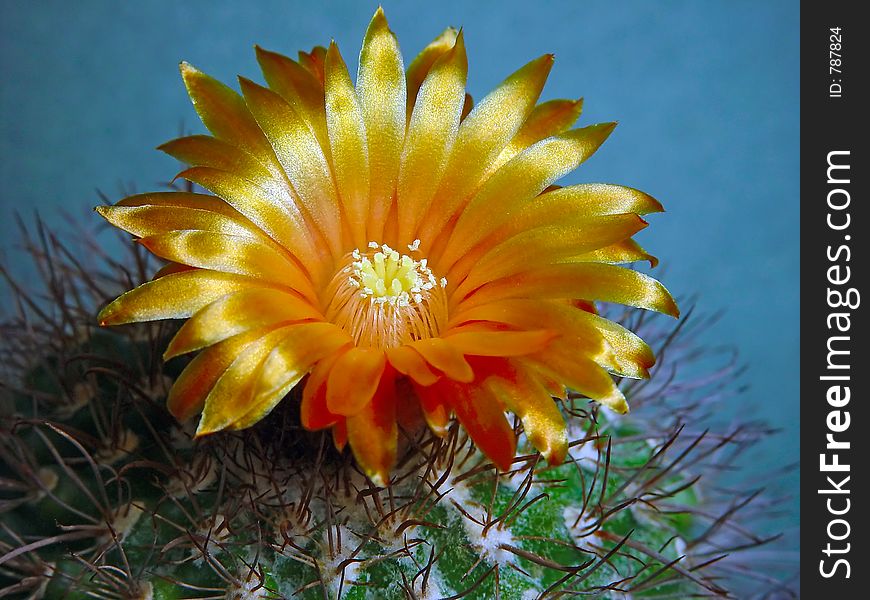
{"type": "Point", "coordinates": [385, 299]}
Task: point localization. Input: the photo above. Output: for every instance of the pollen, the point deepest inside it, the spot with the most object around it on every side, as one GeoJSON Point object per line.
{"type": "Point", "coordinates": [385, 299]}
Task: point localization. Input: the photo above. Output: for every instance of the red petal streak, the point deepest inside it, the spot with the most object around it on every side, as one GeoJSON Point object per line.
{"type": "Point", "coordinates": [434, 410]}
{"type": "Point", "coordinates": [482, 416]}
{"type": "Point", "coordinates": [373, 434]}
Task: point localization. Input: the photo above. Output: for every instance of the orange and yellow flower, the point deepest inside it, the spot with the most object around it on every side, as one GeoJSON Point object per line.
{"type": "Point", "coordinates": [392, 249]}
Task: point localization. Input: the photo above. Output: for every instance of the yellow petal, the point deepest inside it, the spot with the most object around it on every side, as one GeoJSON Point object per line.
{"type": "Point", "coordinates": [236, 313]}
{"type": "Point", "coordinates": [297, 353]}
{"type": "Point", "coordinates": [629, 355]}
{"type": "Point", "coordinates": [422, 63]}
{"type": "Point", "coordinates": [431, 133]}
{"type": "Point", "coordinates": [587, 281]}
{"type": "Point", "coordinates": [589, 199]}
{"type": "Point", "coordinates": [347, 136]}
{"type": "Point", "coordinates": [225, 114]}
{"type": "Point", "coordinates": [517, 182]}
{"type": "Point", "coordinates": [232, 396]}
{"type": "Point", "coordinates": [499, 343]}
{"type": "Point", "coordinates": [525, 396]}
{"type": "Point", "coordinates": [580, 374]}
{"type": "Point", "coordinates": [282, 221]}
{"type": "Point", "coordinates": [382, 97]}
{"type": "Point", "coordinates": [301, 156]}
{"type": "Point", "coordinates": [148, 220]}
{"type": "Point", "coordinates": [444, 357]}
{"type": "Point", "coordinates": [626, 251]}
{"type": "Point", "coordinates": [206, 151]}
{"type": "Point", "coordinates": [547, 119]}
{"type": "Point", "coordinates": [187, 200]}
{"type": "Point", "coordinates": [409, 362]}
{"type": "Point", "coordinates": [354, 380]}
{"type": "Point", "coordinates": [483, 135]}
{"type": "Point", "coordinates": [582, 333]}
{"type": "Point", "coordinates": [176, 296]}
{"type": "Point", "coordinates": [287, 364]}
{"type": "Point", "coordinates": [373, 434]}
{"type": "Point", "coordinates": [546, 245]}
{"type": "Point", "coordinates": [298, 87]}
{"type": "Point", "coordinates": [575, 329]}
{"type": "Point", "coordinates": [231, 254]}
{"type": "Point", "coordinates": [187, 396]}
{"type": "Point", "coordinates": [171, 269]}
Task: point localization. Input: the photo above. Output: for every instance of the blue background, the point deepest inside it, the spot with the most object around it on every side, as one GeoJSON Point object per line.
{"type": "Point", "coordinates": [706, 94]}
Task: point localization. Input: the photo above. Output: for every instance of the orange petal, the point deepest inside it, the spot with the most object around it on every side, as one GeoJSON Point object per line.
{"type": "Point", "coordinates": [631, 356]}
{"type": "Point", "coordinates": [225, 114]}
{"type": "Point", "coordinates": [409, 415]}
{"type": "Point", "coordinates": [592, 199]}
{"type": "Point", "coordinates": [339, 434]}
{"type": "Point", "coordinates": [206, 151]}
{"type": "Point", "coordinates": [444, 357]}
{"type": "Point", "coordinates": [408, 361]}
{"type": "Point", "coordinates": [236, 313]}
{"type": "Point", "coordinates": [171, 269]}
{"type": "Point", "coordinates": [278, 216]}
{"type": "Point", "coordinates": [482, 416]}
{"type": "Point", "coordinates": [286, 365]}
{"type": "Point", "coordinates": [373, 434]}
{"type": "Point", "coordinates": [467, 107]}
{"type": "Point", "coordinates": [294, 356]}
{"type": "Point", "coordinates": [314, 62]}
{"type": "Point", "coordinates": [354, 380]}
{"type": "Point", "coordinates": [626, 251]}
{"type": "Point", "coordinates": [576, 332]}
{"type": "Point", "coordinates": [147, 220]}
{"type": "Point", "coordinates": [499, 343]}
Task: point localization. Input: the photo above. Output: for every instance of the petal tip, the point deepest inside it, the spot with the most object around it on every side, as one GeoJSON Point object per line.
{"type": "Point", "coordinates": [378, 479]}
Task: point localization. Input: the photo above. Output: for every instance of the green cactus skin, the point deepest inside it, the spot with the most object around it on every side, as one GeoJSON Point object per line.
{"type": "Point", "coordinates": [104, 495]}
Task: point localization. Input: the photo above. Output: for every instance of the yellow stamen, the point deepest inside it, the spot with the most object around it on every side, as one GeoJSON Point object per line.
{"type": "Point", "coordinates": [384, 299]}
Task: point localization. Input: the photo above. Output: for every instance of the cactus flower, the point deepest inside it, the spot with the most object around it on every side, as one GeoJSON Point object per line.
{"type": "Point", "coordinates": [400, 253]}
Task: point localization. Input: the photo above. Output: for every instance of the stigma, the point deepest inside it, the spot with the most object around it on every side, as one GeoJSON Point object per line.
{"type": "Point", "coordinates": [384, 299]}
